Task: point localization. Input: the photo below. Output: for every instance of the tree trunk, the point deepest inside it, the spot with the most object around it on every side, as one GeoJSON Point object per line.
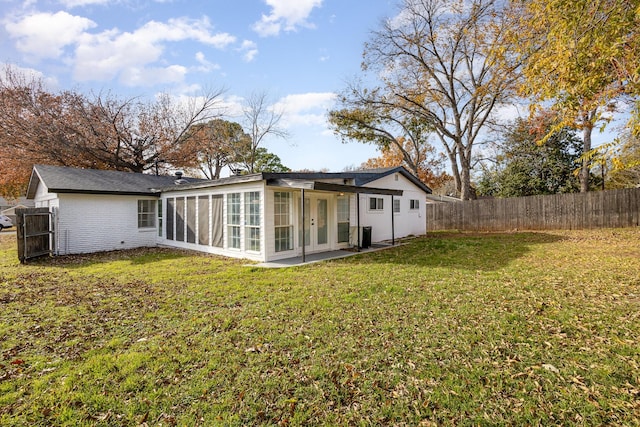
{"type": "Point", "coordinates": [586, 147]}
{"type": "Point", "coordinates": [454, 170]}
{"type": "Point", "coordinates": [465, 183]}
{"type": "Point", "coordinates": [466, 192]}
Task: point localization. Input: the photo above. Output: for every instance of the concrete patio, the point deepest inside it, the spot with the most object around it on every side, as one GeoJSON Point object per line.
{"type": "Point", "coordinates": [322, 256]}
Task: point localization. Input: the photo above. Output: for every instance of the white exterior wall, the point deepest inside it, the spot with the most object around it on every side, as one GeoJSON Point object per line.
{"type": "Point", "coordinates": [44, 199]}
{"type": "Point", "coordinates": [94, 223]}
{"type": "Point", "coordinates": [406, 222]}
{"type": "Point", "coordinates": [225, 250]}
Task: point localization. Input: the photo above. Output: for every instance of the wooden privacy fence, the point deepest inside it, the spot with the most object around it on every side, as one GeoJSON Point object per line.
{"type": "Point", "coordinates": [34, 228]}
{"type": "Point", "coordinates": [601, 209]}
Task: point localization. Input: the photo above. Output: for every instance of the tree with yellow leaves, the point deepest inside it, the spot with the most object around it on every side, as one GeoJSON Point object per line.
{"type": "Point", "coordinates": [580, 56]}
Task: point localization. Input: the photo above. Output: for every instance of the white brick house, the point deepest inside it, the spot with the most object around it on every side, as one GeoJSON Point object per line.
{"type": "Point", "coordinates": [260, 216]}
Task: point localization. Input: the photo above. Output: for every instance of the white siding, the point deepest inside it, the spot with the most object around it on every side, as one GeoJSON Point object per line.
{"type": "Point", "coordinates": [44, 199]}
{"type": "Point", "coordinates": [406, 223]}
{"type": "Point", "coordinates": [93, 223]}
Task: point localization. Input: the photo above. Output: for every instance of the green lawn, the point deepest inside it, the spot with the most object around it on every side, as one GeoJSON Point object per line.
{"type": "Point", "coordinates": [451, 329]}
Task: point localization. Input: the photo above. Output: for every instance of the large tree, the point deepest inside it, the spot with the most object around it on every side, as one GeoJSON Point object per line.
{"type": "Point", "coordinates": [579, 55]}
{"type": "Point", "coordinates": [268, 162]}
{"type": "Point", "coordinates": [133, 134]}
{"type": "Point", "coordinates": [625, 167]}
{"type": "Point", "coordinates": [213, 145]}
{"type": "Point", "coordinates": [99, 131]}
{"type": "Point", "coordinates": [365, 119]}
{"type": "Point", "coordinates": [425, 165]}
{"type": "Point", "coordinates": [445, 64]}
{"type": "Point", "coordinates": [525, 168]}
{"type": "Point", "coordinates": [260, 120]}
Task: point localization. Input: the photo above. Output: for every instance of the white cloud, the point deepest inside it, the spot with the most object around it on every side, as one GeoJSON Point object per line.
{"type": "Point", "coordinates": [509, 112]}
{"type": "Point", "coordinates": [285, 15]}
{"type": "Point", "coordinates": [205, 65]}
{"type": "Point", "coordinates": [136, 57]}
{"type": "Point", "coordinates": [307, 109]}
{"type": "Point", "coordinates": [249, 50]}
{"type": "Point", "coordinates": [29, 74]}
{"type": "Point", "coordinates": [179, 29]}
{"type": "Point", "coordinates": [45, 35]}
{"type": "Point", "coordinates": [232, 106]}
{"type": "Point", "coordinates": [76, 3]}
{"type": "Point", "coordinates": [129, 54]}
{"type": "Point", "coordinates": [149, 76]}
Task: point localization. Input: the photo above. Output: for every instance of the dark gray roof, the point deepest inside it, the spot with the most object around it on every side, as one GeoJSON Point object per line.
{"type": "Point", "coordinates": [206, 183]}
{"type": "Point", "coordinates": [360, 177]}
{"type": "Point", "coordinates": [59, 179]}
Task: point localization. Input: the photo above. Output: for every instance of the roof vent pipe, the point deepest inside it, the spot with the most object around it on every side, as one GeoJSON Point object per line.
{"type": "Point", "coordinates": [179, 174]}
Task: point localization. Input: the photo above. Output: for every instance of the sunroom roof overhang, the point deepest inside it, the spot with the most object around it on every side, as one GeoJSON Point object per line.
{"type": "Point", "coordinates": [303, 184]}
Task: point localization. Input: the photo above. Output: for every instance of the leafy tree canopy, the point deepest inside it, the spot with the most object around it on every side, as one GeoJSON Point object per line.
{"type": "Point", "coordinates": [442, 65]}
{"type": "Point", "coordinates": [579, 56]}
{"type": "Point", "coordinates": [102, 131]}
{"type": "Point", "coordinates": [214, 145]}
{"type": "Point", "coordinates": [428, 168]}
{"type": "Point", "coordinates": [526, 168]}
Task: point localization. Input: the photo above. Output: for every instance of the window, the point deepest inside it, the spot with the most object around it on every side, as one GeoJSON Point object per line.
{"type": "Point", "coordinates": [282, 221]}
{"type": "Point", "coordinates": [203, 221]}
{"type": "Point", "coordinates": [414, 204]}
{"type": "Point", "coordinates": [396, 206]}
{"type": "Point", "coordinates": [160, 218]}
{"type": "Point", "coordinates": [233, 220]}
{"type": "Point", "coordinates": [146, 213]}
{"type": "Point", "coordinates": [217, 224]}
{"type": "Point", "coordinates": [343, 219]}
{"type": "Point", "coordinates": [376, 204]}
{"type": "Point", "coordinates": [191, 219]}
{"type": "Point", "coordinates": [180, 222]}
{"type": "Point", "coordinates": [170, 214]}
{"type": "Point", "coordinates": [252, 221]}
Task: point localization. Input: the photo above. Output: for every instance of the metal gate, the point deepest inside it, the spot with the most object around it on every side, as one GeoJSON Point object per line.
{"type": "Point", "coordinates": [35, 233]}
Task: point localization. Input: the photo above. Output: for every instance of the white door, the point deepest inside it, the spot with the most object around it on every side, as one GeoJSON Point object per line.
{"type": "Point", "coordinates": [316, 223]}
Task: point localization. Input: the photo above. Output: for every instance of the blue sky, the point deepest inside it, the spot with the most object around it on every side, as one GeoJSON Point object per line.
{"type": "Point", "coordinates": [300, 51]}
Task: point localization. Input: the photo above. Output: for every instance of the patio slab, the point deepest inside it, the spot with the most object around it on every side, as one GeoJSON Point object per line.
{"type": "Point", "coordinates": [320, 256]}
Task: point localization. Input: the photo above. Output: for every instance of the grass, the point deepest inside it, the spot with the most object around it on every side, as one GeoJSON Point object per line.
{"type": "Point", "coordinates": [451, 329]}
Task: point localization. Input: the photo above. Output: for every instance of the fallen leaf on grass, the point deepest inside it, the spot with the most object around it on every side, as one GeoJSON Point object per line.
{"type": "Point", "coordinates": [550, 367]}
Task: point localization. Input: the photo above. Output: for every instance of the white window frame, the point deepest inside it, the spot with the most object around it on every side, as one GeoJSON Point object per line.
{"type": "Point", "coordinates": [283, 221]}
{"type": "Point", "coordinates": [146, 213]}
{"type": "Point", "coordinates": [252, 217]}
{"type": "Point", "coordinates": [344, 216]}
{"type": "Point", "coordinates": [414, 204]}
{"type": "Point", "coordinates": [396, 206]}
{"type": "Point", "coordinates": [234, 220]}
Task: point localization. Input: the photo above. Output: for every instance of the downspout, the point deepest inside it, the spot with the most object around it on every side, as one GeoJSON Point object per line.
{"type": "Point", "coordinates": [302, 225]}
{"type": "Point", "coordinates": [358, 218]}
{"type": "Point", "coordinates": [393, 226]}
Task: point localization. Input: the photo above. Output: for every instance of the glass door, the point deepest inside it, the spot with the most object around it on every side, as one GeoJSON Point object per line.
{"type": "Point", "coordinates": [316, 223]}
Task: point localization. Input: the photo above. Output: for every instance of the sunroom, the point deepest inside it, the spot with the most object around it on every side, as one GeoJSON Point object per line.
{"type": "Point", "coordinates": [263, 219]}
